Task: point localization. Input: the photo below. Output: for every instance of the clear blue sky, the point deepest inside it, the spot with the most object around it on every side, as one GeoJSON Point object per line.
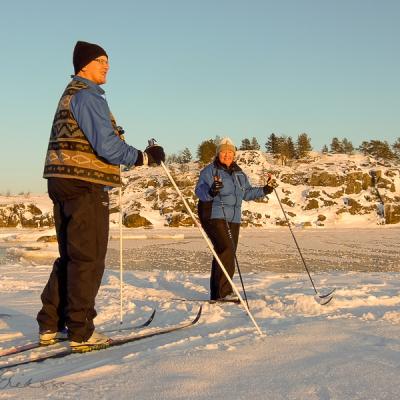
{"type": "Point", "coordinates": [185, 71]}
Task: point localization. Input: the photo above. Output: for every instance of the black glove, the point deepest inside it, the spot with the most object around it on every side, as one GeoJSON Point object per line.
{"type": "Point", "coordinates": [216, 187]}
{"type": "Point", "coordinates": [155, 154]}
{"type": "Point", "coordinates": [271, 185]}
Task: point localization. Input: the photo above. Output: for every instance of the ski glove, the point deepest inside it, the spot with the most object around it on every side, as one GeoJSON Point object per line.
{"type": "Point", "coordinates": [155, 154]}
{"type": "Point", "coordinates": [271, 185]}
{"type": "Point", "coordinates": [215, 187]}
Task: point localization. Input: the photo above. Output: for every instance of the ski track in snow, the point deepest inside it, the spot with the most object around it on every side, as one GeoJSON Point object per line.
{"type": "Point", "coordinates": [348, 349]}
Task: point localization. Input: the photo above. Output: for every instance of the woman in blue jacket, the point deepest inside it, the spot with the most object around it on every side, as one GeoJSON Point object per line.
{"type": "Point", "coordinates": [221, 188]}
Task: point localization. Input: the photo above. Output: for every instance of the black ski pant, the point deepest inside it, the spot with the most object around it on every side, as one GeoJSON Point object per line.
{"type": "Point", "coordinates": [217, 231]}
{"type": "Point", "coordinates": [81, 213]}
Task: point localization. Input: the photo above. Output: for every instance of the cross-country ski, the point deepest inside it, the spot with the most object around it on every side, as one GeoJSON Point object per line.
{"type": "Point", "coordinates": [61, 350]}
{"type": "Point", "coordinates": [33, 345]}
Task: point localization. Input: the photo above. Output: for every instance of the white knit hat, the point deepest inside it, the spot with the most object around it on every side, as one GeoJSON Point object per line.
{"type": "Point", "coordinates": [226, 144]}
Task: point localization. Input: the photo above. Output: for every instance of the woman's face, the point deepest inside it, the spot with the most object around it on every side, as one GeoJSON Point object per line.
{"type": "Point", "coordinates": [226, 157]}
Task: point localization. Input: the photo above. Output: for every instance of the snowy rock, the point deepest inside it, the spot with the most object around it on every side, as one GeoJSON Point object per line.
{"type": "Point", "coordinates": [24, 215]}
{"type": "Point", "coordinates": [136, 221]}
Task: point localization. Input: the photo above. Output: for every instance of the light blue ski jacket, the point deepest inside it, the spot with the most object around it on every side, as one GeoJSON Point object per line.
{"type": "Point", "coordinates": [236, 189]}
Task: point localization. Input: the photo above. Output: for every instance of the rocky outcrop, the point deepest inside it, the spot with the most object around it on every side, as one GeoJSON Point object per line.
{"type": "Point", "coordinates": [25, 216]}
{"type": "Point", "coordinates": [328, 189]}
{"type": "Point", "coordinates": [392, 213]}
{"type": "Point", "coordinates": [295, 179]}
{"type": "Point", "coordinates": [326, 179]}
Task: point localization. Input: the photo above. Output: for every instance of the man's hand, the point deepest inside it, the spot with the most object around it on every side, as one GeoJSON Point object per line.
{"type": "Point", "coordinates": [121, 132]}
{"type": "Point", "coordinates": [155, 154]}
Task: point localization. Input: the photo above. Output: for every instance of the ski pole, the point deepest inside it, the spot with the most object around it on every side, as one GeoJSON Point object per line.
{"type": "Point", "coordinates": [120, 251]}
{"type": "Point", "coordinates": [301, 255]}
{"type": "Point", "coordinates": [211, 248]}
{"type": "Point", "coordinates": [234, 250]}
{"type": "Point", "coordinates": [121, 136]}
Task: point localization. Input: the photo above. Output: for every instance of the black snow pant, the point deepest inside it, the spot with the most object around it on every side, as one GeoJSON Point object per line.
{"type": "Point", "coordinates": [217, 231]}
{"type": "Point", "coordinates": [81, 214]}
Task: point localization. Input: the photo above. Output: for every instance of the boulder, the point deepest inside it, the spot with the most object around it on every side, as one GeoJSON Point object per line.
{"type": "Point", "coordinates": [48, 239]}
{"type": "Point", "coordinates": [179, 219]}
{"type": "Point", "coordinates": [136, 221]}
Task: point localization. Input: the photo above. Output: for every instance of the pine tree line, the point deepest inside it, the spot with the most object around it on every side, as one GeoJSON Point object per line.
{"type": "Point", "coordinates": [375, 148]}
{"type": "Point", "coordinates": [284, 148]}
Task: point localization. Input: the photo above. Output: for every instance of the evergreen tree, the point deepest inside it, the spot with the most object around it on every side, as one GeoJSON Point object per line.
{"type": "Point", "coordinates": [396, 148]}
{"type": "Point", "coordinates": [325, 149]}
{"type": "Point", "coordinates": [186, 156]}
{"type": "Point", "coordinates": [291, 150]}
{"type": "Point", "coordinates": [363, 147]}
{"type": "Point", "coordinates": [206, 151]}
{"type": "Point", "coordinates": [303, 145]}
{"type": "Point", "coordinates": [378, 149]}
{"type": "Point", "coordinates": [285, 149]}
{"type": "Point", "coordinates": [272, 144]}
{"type": "Point", "coordinates": [347, 146]}
{"type": "Point", "coordinates": [336, 146]}
{"type": "Point", "coordinates": [245, 145]}
{"type": "Point", "coordinates": [254, 144]}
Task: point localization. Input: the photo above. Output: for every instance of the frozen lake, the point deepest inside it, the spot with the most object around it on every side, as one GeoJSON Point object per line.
{"type": "Point", "coordinates": [348, 349]}
{"type": "Point", "coordinates": [369, 250]}
{"type": "Point", "coordinates": [268, 250]}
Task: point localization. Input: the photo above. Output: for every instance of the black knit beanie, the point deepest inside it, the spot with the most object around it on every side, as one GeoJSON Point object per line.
{"type": "Point", "coordinates": [84, 53]}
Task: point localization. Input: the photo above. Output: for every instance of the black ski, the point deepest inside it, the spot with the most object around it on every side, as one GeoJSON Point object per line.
{"type": "Point", "coordinates": [220, 301]}
{"type": "Point", "coordinates": [118, 341]}
{"type": "Point", "coordinates": [34, 345]}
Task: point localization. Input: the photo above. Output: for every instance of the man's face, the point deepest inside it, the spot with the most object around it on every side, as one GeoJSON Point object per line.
{"type": "Point", "coordinates": [226, 157]}
{"type": "Point", "coordinates": [96, 70]}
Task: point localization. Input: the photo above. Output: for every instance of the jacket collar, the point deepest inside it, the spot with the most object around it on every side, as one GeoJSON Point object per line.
{"type": "Point", "coordinates": [232, 168]}
{"type": "Point", "coordinates": [90, 83]}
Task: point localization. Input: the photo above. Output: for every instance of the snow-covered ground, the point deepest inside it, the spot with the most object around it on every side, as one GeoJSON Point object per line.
{"type": "Point", "coordinates": [348, 349]}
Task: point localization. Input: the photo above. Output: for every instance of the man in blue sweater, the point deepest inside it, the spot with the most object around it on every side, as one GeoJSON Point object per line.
{"type": "Point", "coordinates": [85, 151]}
